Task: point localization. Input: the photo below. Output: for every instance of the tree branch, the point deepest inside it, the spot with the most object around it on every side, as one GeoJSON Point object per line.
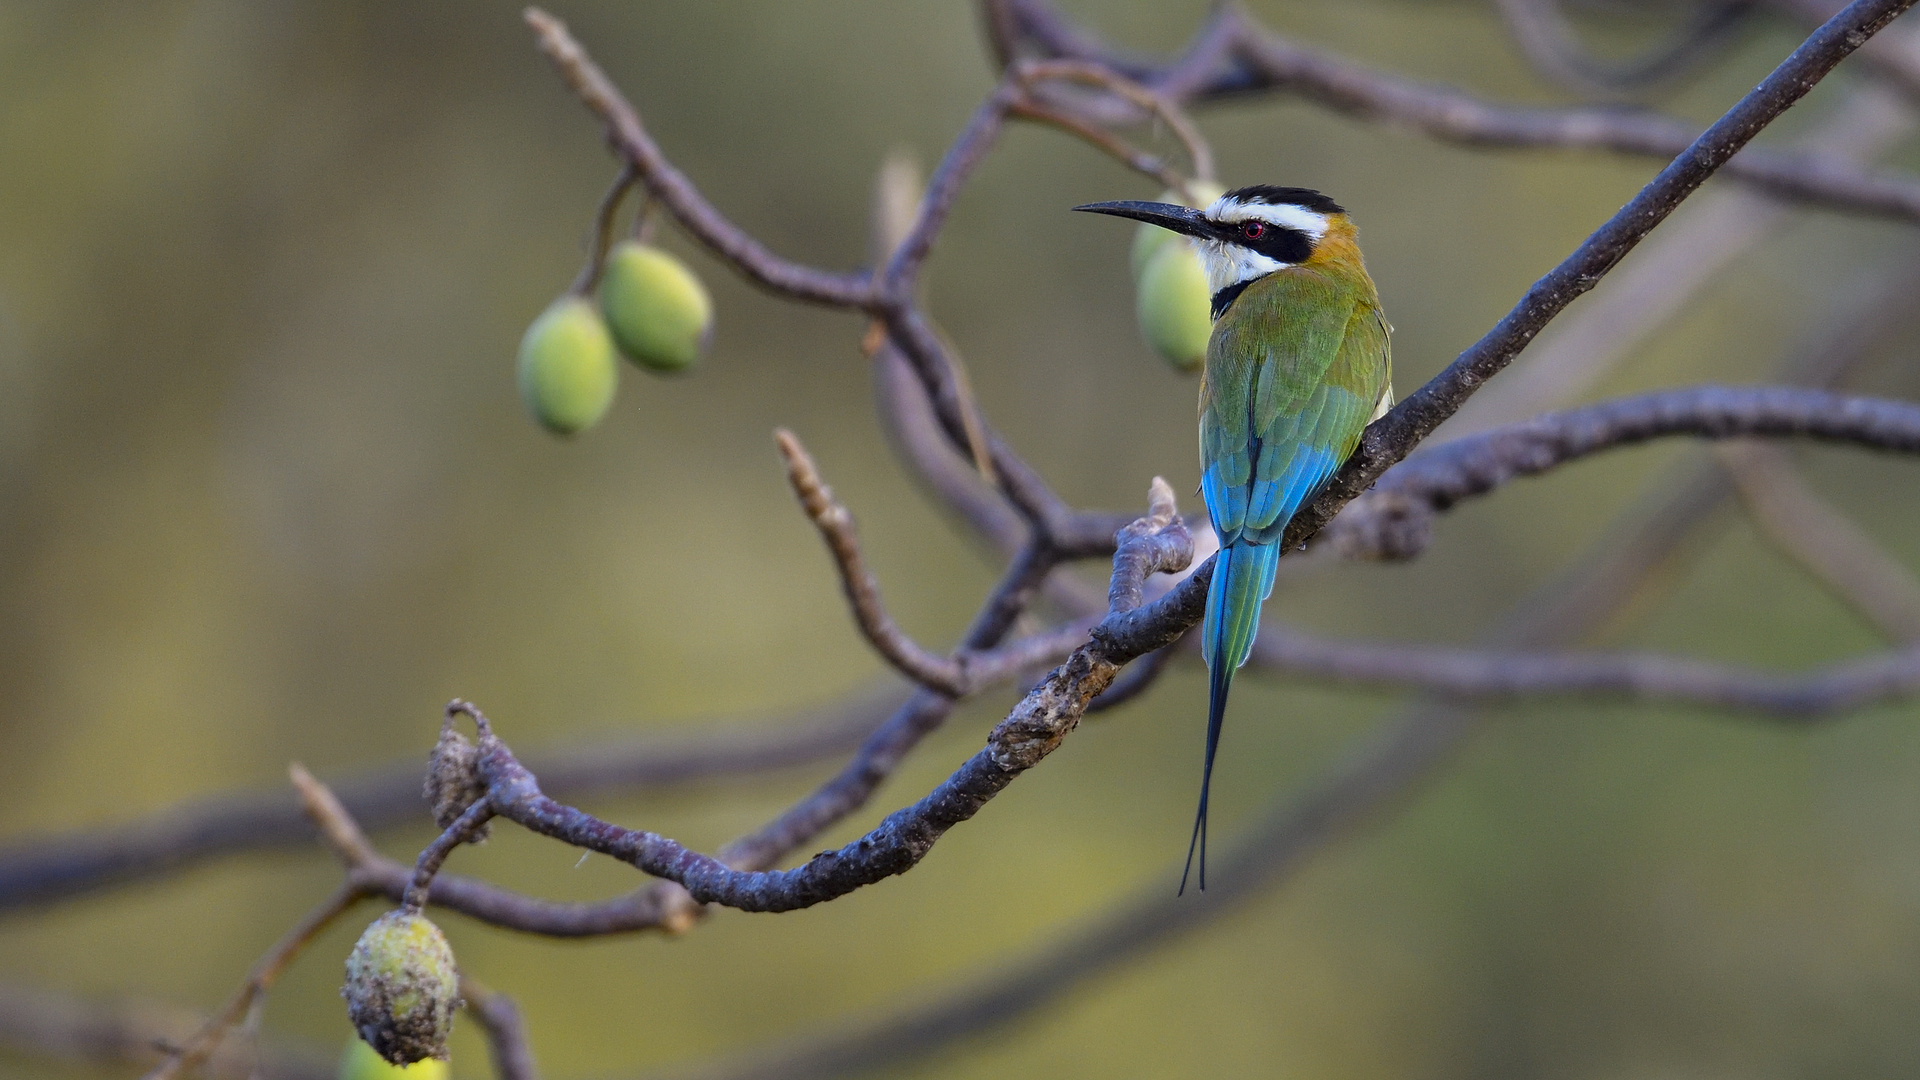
{"type": "Point", "coordinates": [1389, 440]}
{"type": "Point", "coordinates": [1814, 533]}
{"type": "Point", "coordinates": [117, 1034]}
{"type": "Point", "coordinates": [1492, 675]}
{"type": "Point", "coordinates": [62, 865]}
{"type": "Point", "coordinates": [506, 1031]}
{"type": "Point", "coordinates": [1550, 44]}
{"type": "Point", "coordinates": [261, 979]}
{"type": "Point", "coordinates": [1260, 61]}
{"type": "Point", "coordinates": [1381, 771]}
{"type": "Point", "coordinates": [1443, 475]}
{"type": "Point", "coordinates": [1899, 65]}
{"type": "Point", "coordinates": [943, 674]}
{"type": "Point", "coordinates": [1155, 543]}
{"type": "Point", "coordinates": [677, 193]}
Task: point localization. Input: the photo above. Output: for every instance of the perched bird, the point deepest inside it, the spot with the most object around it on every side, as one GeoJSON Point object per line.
{"type": "Point", "coordinates": [1296, 368]}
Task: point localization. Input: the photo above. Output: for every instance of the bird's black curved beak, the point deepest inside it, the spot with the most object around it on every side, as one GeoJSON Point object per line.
{"type": "Point", "coordinates": [1180, 219]}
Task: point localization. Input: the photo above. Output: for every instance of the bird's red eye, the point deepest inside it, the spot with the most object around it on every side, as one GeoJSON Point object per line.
{"type": "Point", "coordinates": [1254, 230]}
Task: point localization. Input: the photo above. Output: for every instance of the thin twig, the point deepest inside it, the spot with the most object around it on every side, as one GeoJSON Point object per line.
{"type": "Point", "coordinates": [1108, 143]}
{"type": "Point", "coordinates": [945, 674]}
{"type": "Point", "coordinates": [1033, 74]}
{"type": "Point", "coordinates": [1814, 533]}
{"type": "Point", "coordinates": [70, 1030]}
{"type": "Point", "coordinates": [1549, 43]}
{"type": "Point", "coordinates": [259, 981]}
{"type": "Point", "coordinates": [435, 854]}
{"type": "Point", "coordinates": [600, 239]}
{"type": "Point", "coordinates": [337, 826]}
{"type": "Point", "coordinates": [1490, 675]}
{"type": "Point", "coordinates": [678, 194]}
{"type": "Point", "coordinates": [506, 1030]}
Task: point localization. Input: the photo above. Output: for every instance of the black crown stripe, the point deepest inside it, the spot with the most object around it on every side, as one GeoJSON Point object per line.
{"type": "Point", "coordinates": [1306, 198]}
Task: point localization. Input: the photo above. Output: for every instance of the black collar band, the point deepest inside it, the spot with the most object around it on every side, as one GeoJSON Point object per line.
{"type": "Point", "coordinates": [1224, 299]}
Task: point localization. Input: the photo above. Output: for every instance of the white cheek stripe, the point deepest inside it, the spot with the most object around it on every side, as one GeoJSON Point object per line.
{"type": "Point", "coordinates": [1228, 265]}
{"type": "Point", "coordinates": [1285, 215]}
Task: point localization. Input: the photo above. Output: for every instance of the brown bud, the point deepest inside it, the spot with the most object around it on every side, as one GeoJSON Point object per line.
{"type": "Point", "coordinates": [453, 780]}
{"type": "Point", "coordinates": [402, 987]}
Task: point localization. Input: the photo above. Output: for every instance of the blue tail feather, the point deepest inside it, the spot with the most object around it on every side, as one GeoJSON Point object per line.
{"type": "Point", "coordinates": [1242, 581]}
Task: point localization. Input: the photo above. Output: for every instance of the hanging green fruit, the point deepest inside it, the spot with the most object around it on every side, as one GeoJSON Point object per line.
{"type": "Point", "coordinates": [362, 1062]}
{"type": "Point", "coordinates": [567, 367]}
{"type": "Point", "coordinates": [659, 312]}
{"type": "Point", "coordinates": [1171, 299]}
{"type": "Point", "coordinates": [402, 987]}
{"type": "Point", "coordinates": [1173, 306]}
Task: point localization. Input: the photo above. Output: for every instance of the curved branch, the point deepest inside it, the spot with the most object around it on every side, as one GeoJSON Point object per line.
{"type": "Point", "coordinates": [55, 867]}
{"type": "Point", "coordinates": [1260, 61]}
{"type": "Point", "coordinates": [705, 222]}
{"type": "Point", "coordinates": [1807, 529]}
{"type": "Point", "coordinates": [889, 295]}
{"type": "Point", "coordinates": [1155, 543]}
{"type": "Point", "coordinates": [943, 674]}
{"type": "Point", "coordinates": [1550, 44]}
{"type": "Point", "coordinates": [266, 971]}
{"type": "Point", "coordinates": [121, 1033]}
{"type": "Point", "coordinates": [1034, 74]}
{"type": "Point", "coordinates": [1485, 675]}
{"type": "Point", "coordinates": [1477, 464]}
{"type": "Point", "coordinates": [506, 1030]}
{"type": "Point", "coordinates": [1296, 828]}
{"type": "Point", "coordinates": [1390, 439]}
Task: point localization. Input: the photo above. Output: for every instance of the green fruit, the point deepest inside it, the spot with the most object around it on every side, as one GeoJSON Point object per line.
{"type": "Point", "coordinates": [658, 311]}
{"type": "Point", "coordinates": [402, 988]}
{"type": "Point", "coordinates": [1149, 239]}
{"type": "Point", "coordinates": [1174, 307]}
{"type": "Point", "coordinates": [567, 370]}
{"type": "Point", "coordinates": [362, 1062]}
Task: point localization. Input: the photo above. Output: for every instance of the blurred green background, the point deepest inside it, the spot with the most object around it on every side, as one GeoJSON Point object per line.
{"type": "Point", "coordinates": [267, 494]}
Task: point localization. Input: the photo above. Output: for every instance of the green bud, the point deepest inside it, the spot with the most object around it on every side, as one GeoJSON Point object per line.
{"type": "Point", "coordinates": [402, 988]}
{"type": "Point", "coordinates": [1149, 239]}
{"type": "Point", "coordinates": [1174, 307]}
{"type": "Point", "coordinates": [362, 1062]}
{"type": "Point", "coordinates": [659, 312]}
{"type": "Point", "coordinates": [567, 370]}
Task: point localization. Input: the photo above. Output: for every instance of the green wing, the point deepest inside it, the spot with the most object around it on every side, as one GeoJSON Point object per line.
{"type": "Point", "coordinates": [1294, 370]}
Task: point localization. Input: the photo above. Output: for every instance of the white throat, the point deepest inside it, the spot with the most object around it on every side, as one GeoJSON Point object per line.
{"type": "Point", "coordinates": [1228, 264]}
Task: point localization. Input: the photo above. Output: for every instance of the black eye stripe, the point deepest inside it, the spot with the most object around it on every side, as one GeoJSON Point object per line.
{"type": "Point", "coordinates": [1277, 242]}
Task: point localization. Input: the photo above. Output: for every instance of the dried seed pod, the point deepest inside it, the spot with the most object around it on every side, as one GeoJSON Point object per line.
{"type": "Point", "coordinates": [453, 780]}
{"type": "Point", "coordinates": [360, 1062]}
{"type": "Point", "coordinates": [658, 310]}
{"type": "Point", "coordinates": [567, 369]}
{"type": "Point", "coordinates": [402, 988]}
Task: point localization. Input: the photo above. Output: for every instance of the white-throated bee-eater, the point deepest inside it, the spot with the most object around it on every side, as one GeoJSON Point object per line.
{"type": "Point", "coordinates": [1296, 368]}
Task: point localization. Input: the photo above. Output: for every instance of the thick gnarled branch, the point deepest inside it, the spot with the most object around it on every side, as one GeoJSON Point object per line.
{"type": "Point", "coordinates": [1157, 543]}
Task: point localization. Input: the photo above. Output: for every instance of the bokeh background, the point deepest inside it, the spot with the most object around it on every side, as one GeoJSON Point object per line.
{"type": "Point", "coordinates": [267, 494]}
